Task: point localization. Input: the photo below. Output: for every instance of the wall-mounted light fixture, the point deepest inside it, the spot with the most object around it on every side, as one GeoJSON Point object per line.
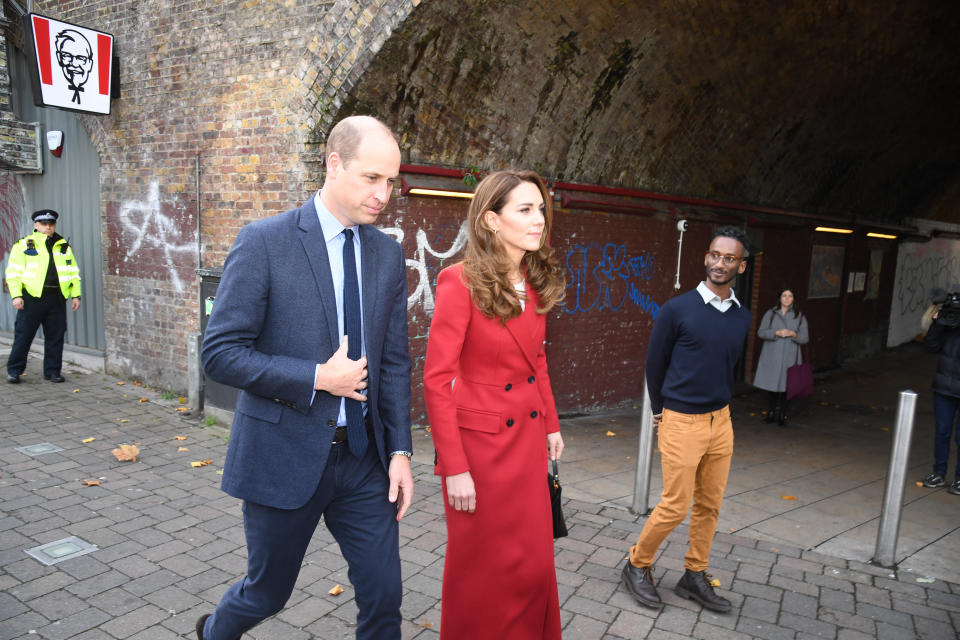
{"type": "Point", "coordinates": [833, 230]}
{"type": "Point", "coordinates": [407, 189]}
{"type": "Point", "coordinates": [885, 236]}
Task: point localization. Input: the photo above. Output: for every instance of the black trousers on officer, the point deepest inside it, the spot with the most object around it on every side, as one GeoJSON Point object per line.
{"type": "Point", "coordinates": [50, 311]}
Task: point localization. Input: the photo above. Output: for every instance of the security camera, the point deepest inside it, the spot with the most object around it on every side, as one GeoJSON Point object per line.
{"type": "Point", "coordinates": [682, 225]}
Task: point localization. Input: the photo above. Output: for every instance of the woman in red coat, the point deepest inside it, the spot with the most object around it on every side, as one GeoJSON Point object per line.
{"type": "Point", "coordinates": [493, 418]}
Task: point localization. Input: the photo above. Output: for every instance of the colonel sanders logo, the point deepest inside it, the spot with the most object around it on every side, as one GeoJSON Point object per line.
{"type": "Point", "coordinates": [75, 57]}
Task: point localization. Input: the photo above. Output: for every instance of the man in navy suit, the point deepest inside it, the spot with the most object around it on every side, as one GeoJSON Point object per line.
{"type": "Point", "coordinates": [322, 422]}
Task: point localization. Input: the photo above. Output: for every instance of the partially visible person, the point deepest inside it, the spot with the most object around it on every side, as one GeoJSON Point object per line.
{"type": "Point", "coordinates": [696, 341]}
{"type": "Point", "coordinates": [943, 337]}
{"type": "Point", "coordinates": [42, 274]}
{"type": "Point", "coordinates": [493, 418]}
{"type": "Point", "coordinates": [783, 329]}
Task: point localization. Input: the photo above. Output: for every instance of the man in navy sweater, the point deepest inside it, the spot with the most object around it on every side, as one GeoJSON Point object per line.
{"type": "Point", "coordinates": [696, 341]}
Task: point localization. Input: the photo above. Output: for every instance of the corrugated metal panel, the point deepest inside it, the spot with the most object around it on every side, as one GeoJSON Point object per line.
{"type": "Point", "coordinates": [70, 185]}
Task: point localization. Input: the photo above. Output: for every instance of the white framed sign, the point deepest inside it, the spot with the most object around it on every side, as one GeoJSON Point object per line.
{"type": "Point", "coordinates": [74, 67]}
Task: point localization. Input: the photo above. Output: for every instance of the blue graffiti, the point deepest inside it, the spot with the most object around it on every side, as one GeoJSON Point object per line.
{"type": "Point", "coordinates": [611, 281]}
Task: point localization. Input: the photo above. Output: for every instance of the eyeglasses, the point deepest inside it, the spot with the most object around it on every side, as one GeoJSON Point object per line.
{"type": "Point", "coordinates": [69, 58]}
{"type": "Point", "coordinates": [728, 260]}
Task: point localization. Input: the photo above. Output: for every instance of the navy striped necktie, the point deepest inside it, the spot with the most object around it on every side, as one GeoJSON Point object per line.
{"type": "Point", "coordinates": [356, 432]}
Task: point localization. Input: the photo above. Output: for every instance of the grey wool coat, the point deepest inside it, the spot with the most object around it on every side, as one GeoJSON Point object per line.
{"type": "Point", "coordinates": [779, 353]}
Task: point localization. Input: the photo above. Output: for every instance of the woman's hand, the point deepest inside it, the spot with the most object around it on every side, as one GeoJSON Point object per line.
{"type": "Point", "coordinates": [554, 445]}
{"type": "Point", "coordinates": [461, 493]}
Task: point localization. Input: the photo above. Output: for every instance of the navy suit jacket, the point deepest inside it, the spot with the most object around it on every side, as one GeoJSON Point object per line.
{"type": "Point", "coordinates": [274, 319]}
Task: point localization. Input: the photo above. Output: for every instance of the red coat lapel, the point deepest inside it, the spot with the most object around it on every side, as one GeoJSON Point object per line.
{"type": "Point", "coordinates": [522, 328]}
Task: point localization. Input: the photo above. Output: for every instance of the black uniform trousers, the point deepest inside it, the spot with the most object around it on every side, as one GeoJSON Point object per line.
{"type": "Point", "coordinates": [49, 311]}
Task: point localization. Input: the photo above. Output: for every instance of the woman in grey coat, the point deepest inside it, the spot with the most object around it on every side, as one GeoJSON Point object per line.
{"type": "Point", "coordinates": [783, 329]}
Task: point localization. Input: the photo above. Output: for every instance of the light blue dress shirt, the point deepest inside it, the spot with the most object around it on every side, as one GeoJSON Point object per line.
{"type": "Point", "coordinates": [334, 239]}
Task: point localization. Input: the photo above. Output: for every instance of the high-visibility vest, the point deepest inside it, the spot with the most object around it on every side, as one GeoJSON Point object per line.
{"type": "Point", "coordinates": [27, 267]}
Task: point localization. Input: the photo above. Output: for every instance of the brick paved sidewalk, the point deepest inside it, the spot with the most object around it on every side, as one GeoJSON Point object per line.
{"type": "Point", "coordinates": [169, 542]}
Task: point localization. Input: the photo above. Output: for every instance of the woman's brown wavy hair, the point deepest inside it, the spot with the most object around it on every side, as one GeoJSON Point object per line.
{"type": "Point", "coordinates": [486, 266]}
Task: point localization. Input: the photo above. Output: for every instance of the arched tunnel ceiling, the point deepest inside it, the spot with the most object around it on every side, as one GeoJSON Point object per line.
{"type": "Point", "coordinates": [849, 109]}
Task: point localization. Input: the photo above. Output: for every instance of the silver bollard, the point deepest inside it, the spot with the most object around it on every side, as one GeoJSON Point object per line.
{"type": "Point", "coordinates": [885, 554]}
{"type": "Point", "coordinates": [641, 484]}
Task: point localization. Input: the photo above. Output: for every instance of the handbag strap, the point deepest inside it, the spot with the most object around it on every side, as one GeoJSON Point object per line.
{"type": "Point", "coordinates": [806, 352]}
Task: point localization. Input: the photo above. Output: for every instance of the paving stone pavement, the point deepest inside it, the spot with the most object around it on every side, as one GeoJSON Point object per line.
{"type": "Point", "coordinates": [169, 542]}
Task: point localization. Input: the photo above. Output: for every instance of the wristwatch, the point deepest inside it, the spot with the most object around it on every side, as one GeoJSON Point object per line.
{"type": "Point", "coordinates": [409, 454]}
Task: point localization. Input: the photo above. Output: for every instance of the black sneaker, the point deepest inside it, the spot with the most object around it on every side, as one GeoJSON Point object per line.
{"type": "Point", "coordinates": [954, 488]}
{"type": "Point", "coordinates": [934, 480]}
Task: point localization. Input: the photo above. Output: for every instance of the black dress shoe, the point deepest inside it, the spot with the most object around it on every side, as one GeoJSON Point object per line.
{"type": "Point", "coordinates": [639, 582]}
{"type": "Point", "coordinates": [55, 378]}
{"type": "Point", "coordinates": [202, 620]}
{"type": "Point", "coordinates": [783, 420]}
{"type": "Point", "coordinates": [695, 585]}
{"type": "Point", "coordinates": [13, 379]}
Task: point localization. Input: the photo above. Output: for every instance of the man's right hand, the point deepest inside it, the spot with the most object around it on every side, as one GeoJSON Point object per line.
{"type": "Point", "coordinates": [341, 376]}
{"type": "Point", "coordinates": [18, 304]}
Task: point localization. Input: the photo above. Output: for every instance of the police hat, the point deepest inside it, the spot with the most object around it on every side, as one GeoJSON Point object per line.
{"type": "Point", "coordinates": [45, 215]}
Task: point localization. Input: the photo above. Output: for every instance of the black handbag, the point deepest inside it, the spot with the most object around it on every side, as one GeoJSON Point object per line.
{"type": "Point", "coordinates": [559, 524]}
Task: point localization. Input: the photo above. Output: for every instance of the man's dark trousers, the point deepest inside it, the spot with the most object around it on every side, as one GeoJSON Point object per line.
{"type": "Point", "coordinates": [352, 498]}
{"type": "Point", "coordinates": [50, 311]}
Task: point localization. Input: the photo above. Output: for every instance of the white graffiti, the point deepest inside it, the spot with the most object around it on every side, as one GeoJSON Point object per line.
{"type": "Point", "coordinates": [423, 294]}
{"type": "Point", "coordinates": [151, 228]}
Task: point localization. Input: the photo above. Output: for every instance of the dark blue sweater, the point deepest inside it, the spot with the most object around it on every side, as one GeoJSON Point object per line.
{"type": "Point", "coordinates": [692, 352]}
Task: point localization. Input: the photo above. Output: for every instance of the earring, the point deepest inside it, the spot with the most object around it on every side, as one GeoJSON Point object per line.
{"type": "Point", "coordinates": [496, 232]}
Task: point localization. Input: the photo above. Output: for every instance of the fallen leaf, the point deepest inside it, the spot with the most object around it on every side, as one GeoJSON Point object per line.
{"type": "Point", "coordinates": [427, 625]}
{"type": "Point", "coordinates": [90, 483]}
{"type": "Point", "coordinates": [182, 449]}
{"type": "Point", "coordinates": [137, 382]}
{"type": "Point", "coordinates": [121, 383]}
{"type": "Point", "coordinates": [144, 400]}
{"type": "Point", "coordinates": [731, 529]}
{"type": "Point", "coordinates": [427, 429]}
{"type": "Point", "coordinates": [919, 484]}
{"type": "Point", "coordinates": [337, 590]}
{"type": "Point", "coordinates": [76, 390]}
{"type": "Point", "coordinates": [179, 437]}
{"type": "Point", "coordinates": [182, 400]}
{"type": "Point", "coordinates": [126, 452]}
{"type": "Point", "coordinates": [610, 434]}
{"type": "Point", "coordinates": [219, 472]}
{"type": "Point", "coordinates": [200, 463]}
{"type": "Point", "coordinates": [789, 497]}
{"type": "Point", "coordinates": [884, 428]}
{"type": "Point", "coordinates": [124, 420]}
{"type": "Point", "coordinates": [183, 408]}
{"type": "Point", "coordinates": [715, 583]}
{"type": "Point", "coordinates": [86, 440]}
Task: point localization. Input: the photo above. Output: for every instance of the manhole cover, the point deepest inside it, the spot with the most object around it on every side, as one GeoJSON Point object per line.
{"type": "Point", "coordinates": [39, 449]}
{"type": "Point", "coordinates": [54, 552]}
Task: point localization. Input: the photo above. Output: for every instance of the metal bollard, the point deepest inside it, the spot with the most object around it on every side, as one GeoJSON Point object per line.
{"type": "Point", "coordinates": [886, 551]}
{"type": "Point", "coordinates": [641, 484]}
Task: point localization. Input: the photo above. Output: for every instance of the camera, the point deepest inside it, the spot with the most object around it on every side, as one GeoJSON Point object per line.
{"type": "Point", "coordinates": [682, 225]}
{"type": "Point", "coordinates": [948, 313]}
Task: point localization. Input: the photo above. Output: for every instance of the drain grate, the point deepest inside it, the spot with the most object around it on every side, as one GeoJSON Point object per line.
{"type": "Point", "coordinates": [39, 449]}
{"type": "Point", "coordinates": [60, 550]}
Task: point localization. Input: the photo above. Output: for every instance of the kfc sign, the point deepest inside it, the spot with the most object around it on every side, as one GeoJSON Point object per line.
{"type": "Point", "coordinates": [73, 66]}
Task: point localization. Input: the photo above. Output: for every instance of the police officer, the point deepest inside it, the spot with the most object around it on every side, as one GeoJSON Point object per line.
{"type": "Point", "coordinates": [42, 274]}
